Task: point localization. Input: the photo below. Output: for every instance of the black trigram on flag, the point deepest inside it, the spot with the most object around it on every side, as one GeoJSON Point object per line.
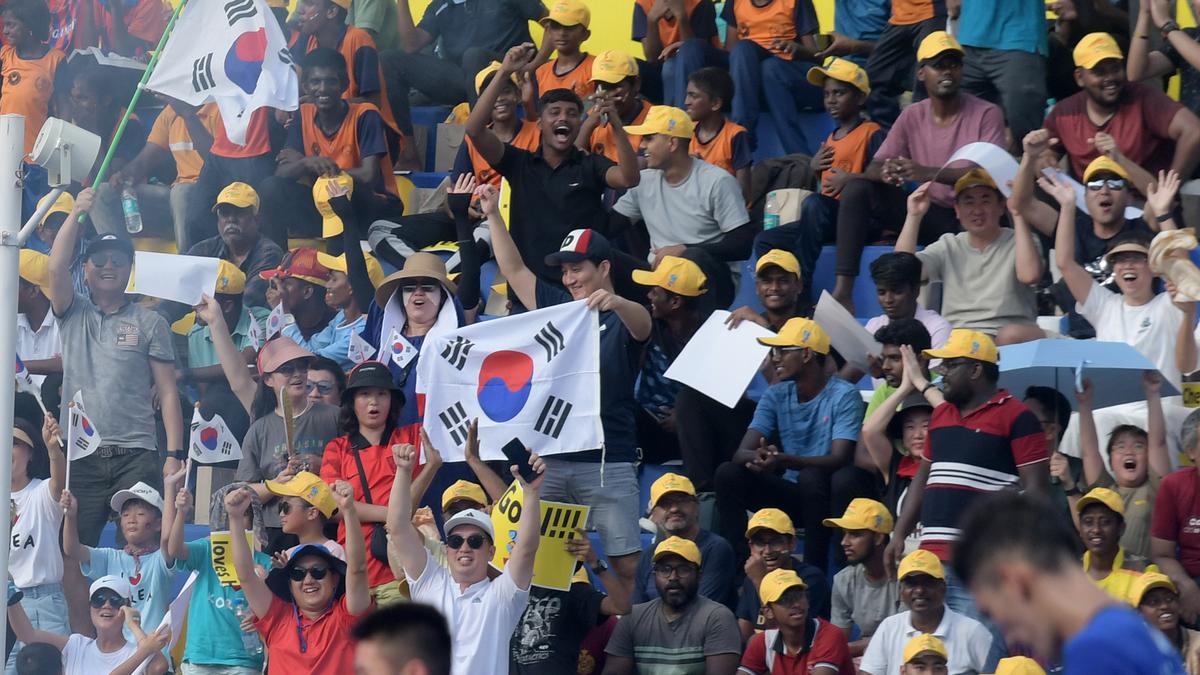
{"type": "Point", "coordinates": [226, 447]}
{"type": "Point", "coordinates": [561, 523]}
{"type": "Point", "coordinates": [236, 10]}
{"type": "Point", "coordinates": [285, 56]}
{"type": "Point", "coordinates": [455, 420]}
{"type": "Point", "coordinates": [553, 417]}
{"type": "Point", "coordinates": [456, 352]}
{"type": "Point", "coordinates": [551, 340]}
{"type": "Point", "coordinates": [202, 77]}
{"type": "Point", "coordinates": [81, 445]}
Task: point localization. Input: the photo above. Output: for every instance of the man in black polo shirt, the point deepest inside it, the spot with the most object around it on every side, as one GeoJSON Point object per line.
{"type": "Point", "coordinates": [558, 188]}
{"type": "Point", "coordinates": [604, 479]}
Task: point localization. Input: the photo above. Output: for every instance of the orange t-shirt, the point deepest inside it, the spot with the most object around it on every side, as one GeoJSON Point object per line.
{"type": "Point", "coordinates": [578, 79]}
{"type": "Point", "coordinates": [908, 12]}
{"type": "Point", "coordinates": [362, 75]}
{"type": "Point", "coordinates": [342, 146]}
{"type": "Point", "coordinates": [28, 85]}
{"type": "Point", "coordinates": [170, 133]}
{"type": "Point", "coordinates": [528, 137]}
{"type": "Point", "coordinates": [669, 31]}
{"type": "Point", "coordinates": [719, 150]}
{"type": "Point", "coordinates": [765, 25]}
{"type": "Point", "coordinates": [602, 138]}
{"type": "Point", "coordinates": [850, 151]}
{"type": "Point", "coordinates": [258, 140]}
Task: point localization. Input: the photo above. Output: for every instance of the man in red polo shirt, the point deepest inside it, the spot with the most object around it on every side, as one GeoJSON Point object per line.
{"type": "Point", "coordinates": [981, 440]}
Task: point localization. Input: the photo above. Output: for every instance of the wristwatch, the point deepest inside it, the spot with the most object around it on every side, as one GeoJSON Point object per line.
{"type": "Point", "coordinates": [177, 454]}
{"type": "Point", "coordinates": [600, 567]}
{"type": "Point", "coordinates": [1169, 27]}
{"type": "Point", "coordinates": [1073, 492]}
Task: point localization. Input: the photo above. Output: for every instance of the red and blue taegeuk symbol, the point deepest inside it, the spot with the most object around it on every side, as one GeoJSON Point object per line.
{"type": "Point", "coordinates": [208, 438]}
{"type": "Point", "coordinates": [244, 61]}
{"type": "Point", "coordinates": [505, 379]}
{"type": "Point", "coordinates": [86, 426]}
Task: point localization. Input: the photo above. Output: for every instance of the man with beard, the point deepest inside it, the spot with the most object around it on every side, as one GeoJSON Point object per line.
{"type": "Point", "coordinates": [238, 241]}
{"type": "Point", "coordinates": [302, 280]}
{"type": "Point", "coordinates": [676, 510]}
{"type": "Point", "coordinates": [1101, 525]}
{"type": "Point", "coordinates": [681, 631]}
{"type": "Point", "coordinates": [801, 643]}
{"type": "Point", "coordinates": [863, 595]}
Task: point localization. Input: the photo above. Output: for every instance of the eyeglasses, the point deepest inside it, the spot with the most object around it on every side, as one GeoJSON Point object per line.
{"type": "Point", "coordinates": [682, 570]}
{"type": "Point", "coordinates": [946, 366]}
{"type": "Point", "coordinates": [318, 572]}
{"type": "Point", "coordinates": [1110, 183]}
{"type": "Point", "coordinates": [104, 258]}
{"type": "Point", "coordinates": [113, 600]}
{"type": "Point", "coordinates": [285, 507]}
{"type": "Point", "coordinates": [323, 388]}
{"type": "Point", "coordinates": [779, 352]}
{"type": "Point", "coordinates": [455, 541]}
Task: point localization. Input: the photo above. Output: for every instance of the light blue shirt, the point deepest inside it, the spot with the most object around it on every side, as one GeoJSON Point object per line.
{"type": "Point", "coordinates": [320, 340]}
{"type": "Point", "coordinates": [807, 429]}
{"type": "Point", "coordinates": [1018, 25]}
{"type": "Point", "coordinates": [338, 349]}
{"type": "Point", "coordinates": [861, 20]}
{"type": "Point", "coordinates": [148, 576]}
{"type": "Point", "coordinates": [211, 613]}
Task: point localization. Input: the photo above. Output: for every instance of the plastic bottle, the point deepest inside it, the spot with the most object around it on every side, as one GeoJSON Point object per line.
{"type": "Point", "coordinates": [129, 206]}
{"type": "Point", "coordinates": [771, 212]}
{"type": "Point", "coordinates": [250, 641]}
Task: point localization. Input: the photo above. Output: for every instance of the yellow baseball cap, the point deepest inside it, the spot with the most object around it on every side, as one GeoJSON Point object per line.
{"type": "Point", "coordinates": [781, 259]}
{"type": "Point", "coordinates": [1148, 582]}
{"type": "Point", "coordinates": [463, 489]}
{"type": "Point", "coordinates": [481, 76]}
{"type": "Point", "coordinates": [64, 204]}
{"type": "Point", "coordinates": [843, 71]}
{"type": "Point", "coordinates": [309, 487]}
{"type": "Point", "coordinates": [668, 483]}
{"type": "Point", "coordinates": [778, 582]}
{"type": "Point", "coordinates": [1104, 164]}
{"type": "Point", "coordinates": [1094, 48]}
{"type": "Point", "coordinates": [800, 332]}
{"type": "Point", "coordinates": [665, 120]}
{"type": "Point", "coordinates": [863, 514]}
{"type": "Point", "coordinates": [1018, 665]}
{"type": "Point", "coordinates": [613, 66]}
{"type": "Point", "coordinates": [568, 13]}
{"type": "Point", "coordinates": [277, 4]}
{"type": "Point", "coordinates": [1104, 496]}
{"type": "Point", "coordinates": [238, 194]}
{"type": "Point", "coordinates": [935, 44]}
{"type": "Point", "coordinates": [344, 4]}
{"type": "Point", "coordinates": [34, 268]}
{"type": "Point", "coordinates": [974, 178]}
{"type": "Point", "coordinates": [338, 263]}
{"type": "Point", "coordinates": [770, 519]}
{"type": "Point", "coordinates": [921, 561]}
{"type": "Point", "coordinates": [924, 644]}
{"type": "Point", "coordinates": [230, 279]}
{"type": "Point", "coordinates": [331, 225]}
{"type": "Point", "coordinates": [684, 548]}
{"type": "Point", "coordinates": [677, 275]}
{"type": "Point", "coordinates": [966, 344]}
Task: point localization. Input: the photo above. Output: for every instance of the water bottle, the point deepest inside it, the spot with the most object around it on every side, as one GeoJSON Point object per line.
{"type": "Point", "coordinates": [250, 641]}
{"type": "Point", "coordinates": [129, 206]}
{"type": "Point", "coordinates": [771, 212]}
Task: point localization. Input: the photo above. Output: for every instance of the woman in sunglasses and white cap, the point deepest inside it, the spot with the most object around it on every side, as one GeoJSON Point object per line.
{"type": "Point", "coordinates": [108, 652]}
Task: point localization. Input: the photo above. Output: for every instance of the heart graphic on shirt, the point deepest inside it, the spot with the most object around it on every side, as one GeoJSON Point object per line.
{"type": "Point", "coordinates": [135, 579]}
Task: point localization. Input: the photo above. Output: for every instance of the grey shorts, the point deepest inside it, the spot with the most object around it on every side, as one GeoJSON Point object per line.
{"type": "Point", "coordinates": [614, 506]}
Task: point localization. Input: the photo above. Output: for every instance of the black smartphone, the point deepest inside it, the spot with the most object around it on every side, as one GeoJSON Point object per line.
{"type": "Point", "coordinates": [516, 453]}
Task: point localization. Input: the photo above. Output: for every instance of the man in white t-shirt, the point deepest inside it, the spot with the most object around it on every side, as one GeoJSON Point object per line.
{"type": "Point", "coordinates": [482, 613]}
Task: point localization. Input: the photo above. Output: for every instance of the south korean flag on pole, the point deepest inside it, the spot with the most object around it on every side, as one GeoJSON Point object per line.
{"type": "Point", "coordinates": [211, 441]}
{"type": "Point", "coordinates": [535, 376]}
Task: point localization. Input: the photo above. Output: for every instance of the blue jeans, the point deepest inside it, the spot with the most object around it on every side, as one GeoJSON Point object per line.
{"type": "Point", "coordinates": [759, 76]}
{"type": "Point", "coordinates": [614, 504]}
{"type": "Point", "coordinates": [46, 607]}
{"type": "Point", "coordinates": [693, 55]}
{"type": "Point", "coordinates": [959, 599]}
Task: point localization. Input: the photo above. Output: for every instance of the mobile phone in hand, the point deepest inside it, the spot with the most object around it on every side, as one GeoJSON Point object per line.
{"type": "Point", "coordinates": [516, 453]}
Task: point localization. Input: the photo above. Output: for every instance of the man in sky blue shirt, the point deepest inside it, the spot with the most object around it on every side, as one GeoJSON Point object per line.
{"type": "Point", "coordinates": [804, 429]}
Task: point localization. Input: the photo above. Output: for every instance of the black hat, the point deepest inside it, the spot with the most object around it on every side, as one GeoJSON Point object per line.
{"type": "Point", "coordinates": [369, 374]}
{"type": "Point", "coordinates": [109, 242]}
{"type": "Point", "coordinates": [911, 402]}
{"type": "Point", "coordinates": [278, 580]}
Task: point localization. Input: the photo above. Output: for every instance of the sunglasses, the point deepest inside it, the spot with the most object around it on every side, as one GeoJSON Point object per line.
{"type": "Point", "coordinates": [425, 287]}
{"type": "Point", "coordinates": [1110, 183]}
{"type": "Point", "coordinates": [455, 541]}
{"type": "Point", "coordinates": [779, 352]}
{"type": "Point", "coordinates": [99, 600]}
{"type": "Point", "coordinates": [292, 367]}
{"type": "Point", "coordinates": [103, 259]}
{"type": "Point", "coordinates": [285, 507]}
{"type": "Point", "coordinates": [323, 388]}
{"type": "Point", "coordinates": [318, 572]}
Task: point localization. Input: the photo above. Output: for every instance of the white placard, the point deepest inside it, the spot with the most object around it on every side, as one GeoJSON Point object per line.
{"type": "Point", "coordinates": [846, 334]}
{"type": "Point", "coordinates": [181, 278]}
{"type": "Point", "coordinates": [177, 611]}
{"type": "Point", "coordinates": [718, 361]}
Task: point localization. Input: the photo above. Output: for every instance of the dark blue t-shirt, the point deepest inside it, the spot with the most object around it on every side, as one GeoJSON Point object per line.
{"type": "Point", "coordinates": [1117, 641]}
{"type": "Point", "coordinates": [716, 574]}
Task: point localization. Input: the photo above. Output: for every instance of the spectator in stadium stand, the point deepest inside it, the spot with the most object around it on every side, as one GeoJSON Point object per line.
{"type": "Point", "coordinates": [897, 52]}
{"type": "Point", "coordinates": [305, 609]}
{"type": "Point", "coordinates": [129, 30]}
{"type": "Point", "coordinates": [718, 140]}
{"type": "Point", "coordinates": [1149, 128]}
{"type": "Point", "coordinates": [302, 280]}
{"type": "Point", "coordinates": [43, 235]}
{"type": "Point", "coordinates": [806, 425]}
{"type": "Point", "coordinates": [927, 654]}
{"type": "Point", "coordinates": [615, 75]}
{"type": "Point", "coordinates": [1174, 534]}
{"type": "Point", "coordinates": [987, 270]}
{"type": "Point", "coordinates": [404, 638]}
{"type": "Point", "coordinates": [981, 439]}
{"type": "Point", "coordinates": [1177, 53]}
{"type": "Point", "coordinates": [863, 593]}
{"type": "Point", "coordinates": [203, 364]}
{"type": "Point", "coordinates": [1101, 524]}
{"type": "Point", "coordinates": [566, 29]}
{"type": "Point", "coordinates": [326, 381]}
{"type": "Point", "coordinates": [800, 642]}
{"type": "Point", "coordinates": [114, 354]}
{"type": "Point", "coordinates": [484, 612]}
{"type": "Point", "coordinates": [675, 508]}
{"type": "Point", "coordinates": [1019, 561]}
{"type": "Point", "coordinates": [779, 288]}
{"type": "Point", "coordinates": [678, 38]}
{"type": "Point", "coordinates": [93, 107]}
{"type": "Point", "coordinates": [39, 343]}
{"type": "Point", "coordinates": [857, 27]}
{"type": "Point", "coordinates": [1156, 599]}
{"type": "Point", "coordinates": [681, 630]}
{"type": "Point", "coordinates": [182, 132]}
{"type": "Point", "coordinates": [923, 590]}
{"type": "Point", "coordinates": [772, 540]}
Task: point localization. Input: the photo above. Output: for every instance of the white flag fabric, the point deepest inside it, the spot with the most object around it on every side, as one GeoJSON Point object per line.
{"type": "Point", "coordinates": [400, 350]}
{"type": "Point", "coordinates": [255, 334]}
{"type": "Point", "coordinates": [212, 441]}
{"type": "Point", "coordinates": [276, 320]}
{"type": "Point", "coordinates": [181, 278]}
{"type": "Point", "coordinates": [233, 53]}
{"type": "Point", "coordinates": [532, 376]}
{"type": "Point", "coordinates": [25, 380]}
{"type": "Point", "coordinates": [359, 350]}
{"type": "Point", "coordinates": [82, 437]}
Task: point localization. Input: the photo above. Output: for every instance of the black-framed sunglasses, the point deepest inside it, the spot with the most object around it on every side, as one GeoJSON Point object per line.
{"type": "Point", "coordinates": [292, 367]}
{"type": "Point", "coordinates": [1110, 183]}
{"type": "Point", "coordinates": [99, 600]}
{"type": "Point", "coordinates": [323, 388]}
{"type": "Point", "coordinates": [427, 288]}
{"type": "Point", "coordinates": [946, 366]}
{"type": "Point", "coordinates": [455, 541]}
{"type": "Point", "coordinates": [103, 258]}
{"type": "Point", "coordinates": [317, 572]}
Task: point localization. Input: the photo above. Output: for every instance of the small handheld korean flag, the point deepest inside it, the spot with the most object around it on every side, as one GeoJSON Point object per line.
{"type": "Point", "coordinates": [82, 437]}
{"type": "Point", "coordinates": [400, 350]}
{"type": "Point", "coordinates": [25, 381]}
{"type": "Point", "coordinates": [359, 350]}
{"type": "Point", "coordinates": [276, 321]}
{"type": "Point", "coordinates": [255, 334]}
{"type": "Point", "coordinates": [212, 441]}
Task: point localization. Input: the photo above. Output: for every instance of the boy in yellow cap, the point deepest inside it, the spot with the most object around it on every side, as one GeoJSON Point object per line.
{"type": "Point", "coordinates": [780, 287]}
{"type": "Point", "coordinates": [617, 81]}
{"type": "Point", "coordinates": [772, 540]}
{"type": "Point", "coordinates": [807, 426]}
{"type": "Point", "coordinates": [38, 343]}
{"type": "Point", "coordinates": [566, 27]}
{"type": "Point", "coordinates": [863, 594]}
{"type": "Point", "coordinates": [306, 504]}
{"type": "Point", "coordinates": [925, 655]}
{"type": "Point", "coordinates": [801, 642]}
{"type": "Point", "coordinates": [1101, 524]}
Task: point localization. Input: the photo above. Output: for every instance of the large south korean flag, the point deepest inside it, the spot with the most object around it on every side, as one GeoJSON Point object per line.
{"type": "Point", "coordinates": [533, 376]}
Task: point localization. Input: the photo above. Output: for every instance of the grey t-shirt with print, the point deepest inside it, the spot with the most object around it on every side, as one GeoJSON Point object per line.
{"type": "Point", "coordinates": [264, 450]}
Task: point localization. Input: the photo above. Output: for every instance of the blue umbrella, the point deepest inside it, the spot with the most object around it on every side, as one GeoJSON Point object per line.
{"type": "Point", "coordinates": [1114, 368]}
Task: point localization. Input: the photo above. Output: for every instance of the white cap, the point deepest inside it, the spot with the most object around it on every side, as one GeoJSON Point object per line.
{"type": "Point", "coordinates": [112, 583]}
{"type": "Point", "coordinates": [471, 517]}
{"type": "Point", "coordinates": [139, 491]}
